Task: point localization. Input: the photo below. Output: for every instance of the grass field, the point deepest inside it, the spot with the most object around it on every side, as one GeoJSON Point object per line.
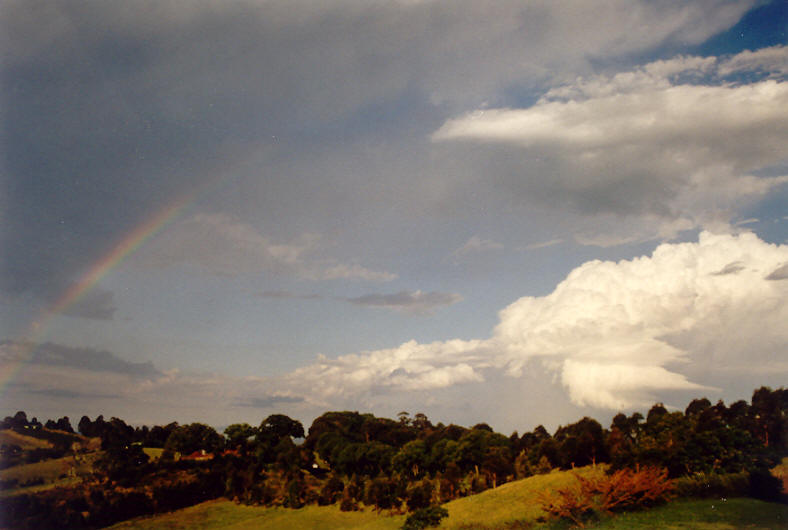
{"type": "Point", "coordinates": [154, 453]}
{"type": "Point", "coordinates": [9, 437]}
{"type": "Point", "coordinates": [707, 514]}
{"type": "Point", "coordinates": [226, 514]}
{"type": "Point", "coordinates": [54, 472]}
{"type": "Point", "coordinates": [511, 502]}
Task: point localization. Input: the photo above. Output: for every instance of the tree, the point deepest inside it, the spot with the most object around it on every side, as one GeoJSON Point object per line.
{"type": "Point", "coordinates": [411, 458]}
{"type": "Point", "coordinates": [188, 439]}
{"type": "Point", "coordinates": [655, 413]}
{"type": "Point", "coordinates": [582, 443]}
{"type": "Point", "coordinates": [64, 424]}
{"type": "Point", "coordinates": [279, 425]}
{"type": "Point", "coordinates": [238, 434]}
{"type": "Point", "coordinates": [697, 406]}
{"type": "Point", "coordinates": [85, 426]}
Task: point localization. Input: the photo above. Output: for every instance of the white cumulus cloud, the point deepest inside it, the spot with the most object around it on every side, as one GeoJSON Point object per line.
{"type": "Point", "coordinates": [615, 334]}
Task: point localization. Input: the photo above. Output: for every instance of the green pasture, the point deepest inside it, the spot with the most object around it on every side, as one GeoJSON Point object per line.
{"type": "Point", "coordinates": [48, 474]}
{"type": "Point", "coordinates": [226, 514]}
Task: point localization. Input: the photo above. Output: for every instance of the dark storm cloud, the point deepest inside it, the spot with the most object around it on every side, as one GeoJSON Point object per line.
{"type": "Point", "coordinates": [111, 108]}
{"type": "Point", "coordinates": [96, 304]}
{"type": "Point", "coordinates": [85, 359]}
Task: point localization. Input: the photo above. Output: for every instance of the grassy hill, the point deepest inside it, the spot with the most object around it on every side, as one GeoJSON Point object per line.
{"type": "Point", "coordinates": [514, 501]}
{"type": "Point", "coordinates": [513, 505]}
{"type": "Point", "coordinates": [510, 502]}
{"type": "Point", "coordinates": [47, 474]}
{"type": "Point", "coordinates": [26, 443]}
{"type": "Point", "coordinates": [226, 514]}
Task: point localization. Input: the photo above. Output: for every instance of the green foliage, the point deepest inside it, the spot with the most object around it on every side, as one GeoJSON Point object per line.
{"type": "Point", "coordinates": [279, 426]}
{"type": "Point", "coordinates": [411, 459]}
{"type": "Point", "coordinates": [712, 485]}
{"type": "Point", "coordinates": [425, 517]}
{"type": "Point", "coordinates": [123, 464]}
{"type": "Point", "coordinates": [187, 439]}
{"type": "Point", "coordinates": [238, 434]}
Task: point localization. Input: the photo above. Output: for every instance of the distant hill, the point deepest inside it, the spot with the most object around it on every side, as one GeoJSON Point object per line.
{"type": "Point", "coordinates": [25, 442]}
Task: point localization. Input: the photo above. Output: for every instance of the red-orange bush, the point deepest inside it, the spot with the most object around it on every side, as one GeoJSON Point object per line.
{"type": "Point", "coordinates": [625, 489]}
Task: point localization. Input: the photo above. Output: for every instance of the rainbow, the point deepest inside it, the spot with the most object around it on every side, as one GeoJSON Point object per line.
{"type": "Point", "coordinates": [129, 243]}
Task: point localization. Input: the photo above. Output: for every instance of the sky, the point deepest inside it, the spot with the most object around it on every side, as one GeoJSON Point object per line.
{"type": "Point", "coordinates": [516, 213]}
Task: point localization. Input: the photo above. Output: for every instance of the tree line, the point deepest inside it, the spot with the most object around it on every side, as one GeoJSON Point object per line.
{"type": "Point", "coordinates": [401, 464]}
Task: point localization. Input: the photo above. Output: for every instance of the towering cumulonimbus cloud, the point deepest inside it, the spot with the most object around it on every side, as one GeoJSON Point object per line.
{"type": "Point", "coordinates": [616, 334]}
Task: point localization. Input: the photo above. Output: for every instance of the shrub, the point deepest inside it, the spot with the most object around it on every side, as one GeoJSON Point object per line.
{"type": "Point", "coordinates": [708, 485]}
{"type": "Point", "coordinates": [424, 517]}
{"type": "Point", "coordinates": [625, 489]}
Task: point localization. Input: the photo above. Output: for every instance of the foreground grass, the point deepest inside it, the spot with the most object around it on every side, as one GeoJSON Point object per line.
{"type": "Point", "coordinates": [706, 514]}
{"type": "Point", "coordinates": [514, 501]}
{"type": "Point", "coordinates": [227, 514]}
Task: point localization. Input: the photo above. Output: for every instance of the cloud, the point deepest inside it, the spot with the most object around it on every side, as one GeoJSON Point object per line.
{"type": "Point", "coordinates": [97, 304]}
{"type": "Point", "coordinates": [544, 244]}
{"type": "Point", "coordinates": [61, 393]}
{"type": "Point", "coordinates": [219, 244]}
{"type": "Point", "coordinates": [780, 273]}
{"type": "Point", "coordinates": [770, 61]}
{"type": "Point", "coordinates": [127, 97]}
{"type": "Point", "coordinates": [51, 354]}
{"type": "Point", "coordinates": [654, 146]}
{"type": "Point", "coordinates": [615, 334]}
{"type": "Point", "coordinates": [409, 301]}
{"type": "Point", "coordinates": [475, 245]}
{"type": "Point", "coordinates": [410, 366]}
{"type": "Point", "coordinates": [733, 267]}
{"type": "Point", "coordinates": [269, 401]}
{"type": "Point", "coordinates": [342, 271]}
{"type": "Point", "coordinates": [288, 294]}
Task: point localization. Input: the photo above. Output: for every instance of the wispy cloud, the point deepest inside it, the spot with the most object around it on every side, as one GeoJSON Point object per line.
{"type": "Point", "coordinates": [543, 244]}
{"type": "Point", "coordinates": [83, 358]}
{"type": "Point", "coordinates": [288, 294]}
{"type": "Point", "coordinates": [408, 301]}
{"type": "Point", "coordinates": [266, 402]}
{"type": "Point", "coordinates": [66, 393]}
{"type": "Point", "coordinates": [219, 244]}
{"type": "Point", "coordinates": [475, 245]}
